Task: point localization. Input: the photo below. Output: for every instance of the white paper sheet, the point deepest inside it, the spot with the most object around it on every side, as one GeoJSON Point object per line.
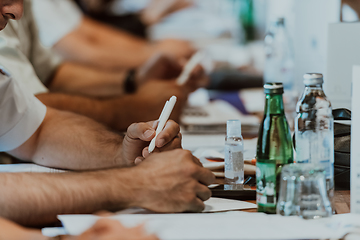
{"type": "Point", "coordinates": [212, 205]}
{"type": "Point", "coordinates": [28, 167]}
{"type": "Point", "coordinates": [231, 225]}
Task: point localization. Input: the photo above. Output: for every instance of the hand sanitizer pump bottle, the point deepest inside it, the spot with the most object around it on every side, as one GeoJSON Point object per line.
{"type": "Point", "coordinates": [234, 157]}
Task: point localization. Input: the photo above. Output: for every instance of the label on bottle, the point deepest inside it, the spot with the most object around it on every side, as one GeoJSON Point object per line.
{"type": "Point", "coordinates": [266, 184]}
{"type": "Point", "coordinates": [234, 164]}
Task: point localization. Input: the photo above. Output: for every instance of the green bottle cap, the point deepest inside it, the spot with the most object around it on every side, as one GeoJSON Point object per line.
{"type": "Point", "coordinates": [273, 88]}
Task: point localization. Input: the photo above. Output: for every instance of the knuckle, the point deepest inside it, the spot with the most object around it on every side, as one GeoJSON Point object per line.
{"type": "Point", "coordinates": [207, 193]}
{"type": "Point", "coordinates": [201, 207]}
{"type": "Point", "coordinates": [131, 127]}
{"type": "Point", "coordinates": [166, 136]}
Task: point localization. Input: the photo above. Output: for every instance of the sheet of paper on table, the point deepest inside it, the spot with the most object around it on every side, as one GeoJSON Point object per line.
{"type": "Point", "coordinates": [230, 225]}
{"type": "Point", "coordinates": [28, 167]}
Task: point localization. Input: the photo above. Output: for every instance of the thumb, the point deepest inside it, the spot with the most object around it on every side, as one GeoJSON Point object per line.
{"type": "Point", "coordinates": [141, 131]}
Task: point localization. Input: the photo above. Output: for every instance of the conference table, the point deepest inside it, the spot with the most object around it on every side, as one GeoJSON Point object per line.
{"type": "Point", "coordinates": [341, 198]}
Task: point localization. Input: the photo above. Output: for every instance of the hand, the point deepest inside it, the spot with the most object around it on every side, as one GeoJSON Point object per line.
{"type": "Point", "coordinates": [175, 48]}
{"type": "Point", "coordinates": [108, 229]}
{"type": "Point", "coordinates": [197, 78]}
{"type": "Point", "coordinates": [159, 66]}
{"type": "Point", "coordinates": [139, 135]}
{"type": "Point", "coordinates": [164, 67]}
{"type": "Point", "coordinates": [12, 231]}
{"type": "Point", "coordinates": [150, 98]}
{"type": "Point", "coordinates": [158, 9]}
{"type": "Point", "coordinates": [172, 181]}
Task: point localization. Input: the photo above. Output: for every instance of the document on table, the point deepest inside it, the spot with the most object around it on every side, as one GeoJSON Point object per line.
{"type": "Point", "coordinates": [230, 225]}
{"type": "Point", "coordinates": [212, 205]}
{"type": "Point", "coordinates": [28, 167]}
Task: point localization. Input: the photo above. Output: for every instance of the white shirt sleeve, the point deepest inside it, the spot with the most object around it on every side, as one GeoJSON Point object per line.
{"type": "Point", "coordinates": [21, 113]}
{"type": "Point", "coordinates": [22, 53]}
{"type": "Point", "coordinates": [55, 19]}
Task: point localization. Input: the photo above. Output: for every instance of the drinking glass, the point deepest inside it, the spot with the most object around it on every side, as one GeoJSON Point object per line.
{"type": "Point", "coordinates": [303, 192]}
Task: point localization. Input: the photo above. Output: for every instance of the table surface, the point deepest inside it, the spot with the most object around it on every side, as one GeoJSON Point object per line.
{"type": "Point", "coordinates": [341, 198]}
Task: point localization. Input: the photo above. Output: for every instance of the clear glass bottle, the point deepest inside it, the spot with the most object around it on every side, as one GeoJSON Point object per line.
{"type": "Point", "coordinates": [234, 156]}
{"type": "Point", "coordinates": [274, 148]}
{"type": "Point", "coordinates": [314, 129]}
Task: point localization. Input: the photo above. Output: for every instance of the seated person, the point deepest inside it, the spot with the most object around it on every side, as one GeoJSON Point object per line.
{"type": "Point", "coordinates": [80, 39]}
{"type": "Point", "coordinates": [84, 90]}
{"type": "Point", "coordinates": [169, 180]}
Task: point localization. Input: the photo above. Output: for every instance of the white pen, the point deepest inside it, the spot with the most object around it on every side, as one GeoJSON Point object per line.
{"type": "Point", "coordinates": [164, 116]}
{"type": "Point", "coordinates": [189, 67]}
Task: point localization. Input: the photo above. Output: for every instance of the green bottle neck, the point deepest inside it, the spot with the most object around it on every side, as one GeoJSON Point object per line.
{"type": "Point", "coordinates": [274, 104]}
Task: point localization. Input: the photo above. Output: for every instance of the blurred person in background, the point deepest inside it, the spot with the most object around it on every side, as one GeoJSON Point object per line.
{"type": "Point", "coordinates": [136, 23]}
{"type": "Point", "coordinates": [89, 91]}
{"type": "Point", "coordinates": [78, 38]}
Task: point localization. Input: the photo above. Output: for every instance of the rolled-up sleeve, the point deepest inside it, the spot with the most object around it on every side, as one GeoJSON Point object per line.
{"type": "Point", "coordinates": [21, 114]}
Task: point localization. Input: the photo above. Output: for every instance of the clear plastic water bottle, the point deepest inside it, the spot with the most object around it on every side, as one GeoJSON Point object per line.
{"type": "Point", "coordinates": [279, 65]}
{"type": "Point", "coordinates": [234, 157]}
{"type": "Point", "coordinates": [314, 129]}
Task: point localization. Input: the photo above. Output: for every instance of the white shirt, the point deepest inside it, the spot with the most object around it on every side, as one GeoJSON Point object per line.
{"type": "Point", "coordinates": [56, 19]}
{"type": "Point", "coordinates": [22, 54]}
{"type": "Point", "coordinates": [21, 113]}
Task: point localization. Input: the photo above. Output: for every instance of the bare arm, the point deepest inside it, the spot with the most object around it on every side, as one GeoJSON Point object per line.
{"type": "Point", "coordinates": [99, 45]}
{"type": "Point", "coordinates": [69, 141]}
{"type": "Point", "coordinates": [79, 79]}
{"type": "Point", "coordinates": [34, 199]}
{"type": "Point", "coordinates": [119, 113]}
{"type": "Point", "coordinates": [172, 181]}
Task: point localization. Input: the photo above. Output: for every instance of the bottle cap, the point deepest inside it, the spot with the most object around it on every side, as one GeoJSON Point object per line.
{"type": "Point", "coordinates": [311, 79]}
{"type": "Point", "coordinates": [233, 128]}
{"type": "Point", "coordinates": [273, 88]}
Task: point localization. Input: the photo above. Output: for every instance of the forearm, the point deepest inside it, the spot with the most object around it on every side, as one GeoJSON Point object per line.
{"type": "Point", "coordinates": [99, 45]}
{"type": "Point", "coordinates": [35, 199]}
{"type": "Point", "coordinates": [69, 141]}
{"type": "Point", "coordinates": [78, 79]}
{"type": "Point", "coordinates": [117, 113]}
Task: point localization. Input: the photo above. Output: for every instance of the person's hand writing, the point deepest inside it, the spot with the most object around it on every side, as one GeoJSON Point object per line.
{"type": "Point", "coordinates": [159, 66]}
{"type": "Point", "coordinates": [175, 48]}
{"type": "Point", "coordinates": [139, 135]}
{"type": "Point", "coordinates": [172, 181]}
{"type": "Point", "coordinates": [197, 79]}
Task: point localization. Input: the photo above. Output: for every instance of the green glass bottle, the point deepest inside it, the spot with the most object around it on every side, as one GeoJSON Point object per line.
{"type": "Point", "coordinates": [274, 148]}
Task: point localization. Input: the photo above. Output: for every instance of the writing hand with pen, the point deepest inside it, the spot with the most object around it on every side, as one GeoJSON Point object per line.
{"type": "Point", "coordinates": [170, 179]}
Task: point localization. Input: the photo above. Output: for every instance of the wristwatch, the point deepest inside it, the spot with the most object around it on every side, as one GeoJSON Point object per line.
{"type": "Point", "coordinates": [130, 83]}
